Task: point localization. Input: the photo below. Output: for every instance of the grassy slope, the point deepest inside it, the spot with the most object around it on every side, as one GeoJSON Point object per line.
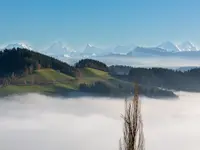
{"type": "Point", "coordinates": [45, 75]}
{"type": "Point", "coordinates": [58, 81]}
{"type": "Point", "coordinates": [61, 82]}
{"type": "Point", "coordinates": [50, 74]}
{"type": "Point", "coordinates": [54, 82]}
{"type": "Point", "coordinates": [90, 75]}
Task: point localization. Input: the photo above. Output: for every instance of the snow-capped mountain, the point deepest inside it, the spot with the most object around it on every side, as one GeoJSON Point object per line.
{"type": "Point", "coordinates": [93, 51]}
{"type": "Point", "coordinates": [58, 48]}
{"type": "Point", "coordinates": [149, 52]}
{"type": "Point", "coordinates": [187, 46]}
{"type": "Point", "coordinates": [89, 49]}
{"type": "Point", "coordinates": [169, 46]}
{"type": "Point", "coordinates": [118, 50]}
{"type": "Point", "coordinates": [123, 49]}
{"type": "Point", "coordinates": [18, 45]}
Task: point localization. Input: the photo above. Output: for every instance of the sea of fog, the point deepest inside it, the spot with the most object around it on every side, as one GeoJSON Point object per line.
{"type": "Point", "coordinates": [168, 62]}
{"type": "Point", "coordinates": [37, 122]}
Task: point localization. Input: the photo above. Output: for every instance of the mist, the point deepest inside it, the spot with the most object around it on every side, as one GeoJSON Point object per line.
{"type": "Point", "coordinates": [38, 122]}
{"type": "Point", "coordinates": [170, 62]}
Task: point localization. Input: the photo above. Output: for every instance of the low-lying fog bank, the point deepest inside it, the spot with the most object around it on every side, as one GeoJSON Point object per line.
{"type": "Point", "coordinates": [157, 61]}
{"type": "Point", "coordinates": [38, 122]}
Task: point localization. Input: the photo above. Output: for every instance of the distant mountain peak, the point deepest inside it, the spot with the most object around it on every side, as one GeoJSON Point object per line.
{"type": "Point", "coordinates": [123, 49]}
{"type": "Point", "coordinates": [169, 46]}
{"type": "Point", "coordinates": [58, 48]}
{"type": "Point", "coordinates": [58, 45]}
{"type": "Point", "coordinates": [89, 45]}
{"type": "Point", "coordinates": [187, 46]}
{"type": "Point", "coordinates": [18, 45]}
{"type": "Point", "coordinates": [91, 50]}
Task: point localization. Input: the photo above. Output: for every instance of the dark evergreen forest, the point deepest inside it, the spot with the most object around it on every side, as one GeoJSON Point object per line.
{"type": "Point", "coordinates": [18, 60]}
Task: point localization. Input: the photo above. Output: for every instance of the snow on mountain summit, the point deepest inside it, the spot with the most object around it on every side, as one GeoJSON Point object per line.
{"type": "Point", "coordinates": [187, 46]}
{"type": "Point", "coordinates": [89, 49]}
{"type": "Point", "coordinates": [89, 45]}
{"type": "Point", "coordinates": [58, 48]}
{"type": "Point", "coordinates": [18, 45]}
{"type": "Point", "coordinates": [169, 46]}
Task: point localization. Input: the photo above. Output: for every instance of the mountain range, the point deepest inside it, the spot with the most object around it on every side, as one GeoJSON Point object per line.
{"type": "Point", "coordinates": [185, 46]}
{"type": "Point", "coordinates": [185, 49]}
{"type": "Point", "coordinates": [163, 49]}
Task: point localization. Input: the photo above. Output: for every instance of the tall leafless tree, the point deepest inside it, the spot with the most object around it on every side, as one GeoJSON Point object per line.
{"type": "Point", "coordinates": [133, 127]}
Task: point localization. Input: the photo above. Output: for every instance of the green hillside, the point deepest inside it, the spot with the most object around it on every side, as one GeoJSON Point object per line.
{"type": "Point", "coordinates": [52, 81]}
{"type": "Point", "coordinates": [49, 81]}
{"type": "Point", "coordinates": [89, 75]}
{"type": "Point", "coordinates": [44, 75]}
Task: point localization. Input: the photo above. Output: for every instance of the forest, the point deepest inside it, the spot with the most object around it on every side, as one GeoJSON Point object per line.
{"type": "Point", "coordinates": [167, 78]}
{"type": "Point", "coordinates": [91, 64]}
{"type": "Point", "coordinates": [19, 60]}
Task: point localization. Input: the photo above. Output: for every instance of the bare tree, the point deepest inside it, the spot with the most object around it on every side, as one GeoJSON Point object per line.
{"type": "Point", "coordinates": [133, 128]}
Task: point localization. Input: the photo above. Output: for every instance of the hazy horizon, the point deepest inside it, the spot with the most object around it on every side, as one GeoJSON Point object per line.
{"type": "Point", "coordinates": [170, 62]}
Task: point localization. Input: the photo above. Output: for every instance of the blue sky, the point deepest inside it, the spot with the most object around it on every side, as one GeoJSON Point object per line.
{"type": "Point", "coordinates": [99, 22]}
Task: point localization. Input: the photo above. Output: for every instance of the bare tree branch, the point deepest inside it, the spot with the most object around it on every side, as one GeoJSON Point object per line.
{"type": "Point", "coordinates": [133, 126]}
